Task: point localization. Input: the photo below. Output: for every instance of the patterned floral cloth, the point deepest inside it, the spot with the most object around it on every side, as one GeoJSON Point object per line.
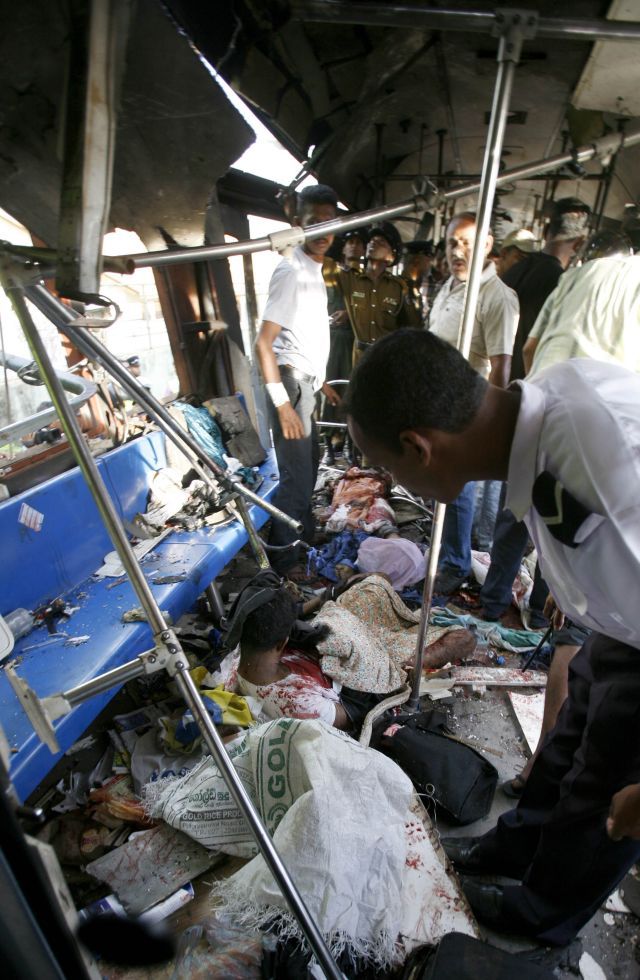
{"type": "Point", "coordinates": [372, 636]}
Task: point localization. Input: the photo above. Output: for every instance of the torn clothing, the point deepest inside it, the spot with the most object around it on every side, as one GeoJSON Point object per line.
{"type": "Point", "coordinates": [306, 692]}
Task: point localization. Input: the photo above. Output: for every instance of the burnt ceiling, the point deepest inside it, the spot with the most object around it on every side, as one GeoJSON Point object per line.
{"type": "Point", "coordinates": [372, 105]}
{"type": "Point", "coordinates": [370, 101]}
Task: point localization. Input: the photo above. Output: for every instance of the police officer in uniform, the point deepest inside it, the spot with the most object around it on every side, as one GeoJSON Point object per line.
{"type": "Point", "coordinates": [377, 301]}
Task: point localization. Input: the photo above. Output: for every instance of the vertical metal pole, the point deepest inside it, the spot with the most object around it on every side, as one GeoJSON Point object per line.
{"type": "Point", "coordinates": [508, 55]}
{"type": "Point", "coordinates": [177, 665]}
{"type": "Point", "coordinates": [427, 597]}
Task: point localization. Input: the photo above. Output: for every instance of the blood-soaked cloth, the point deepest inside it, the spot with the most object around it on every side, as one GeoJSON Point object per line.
{"type": "Point", "coordinates": [359, 502]}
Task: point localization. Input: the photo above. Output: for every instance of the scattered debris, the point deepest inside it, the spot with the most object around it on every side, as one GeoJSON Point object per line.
{"type": "Point", "coordinates": [528, 709]}
{"type": "Point", "coordinates": [151, 866]}
{"type": "Point", "coordinates": [589, 969]}
{"type": "Point", "coordinates": [496, 677]}
{"type": "Point", "coordinates": [615, 903]}
{"type": "Point", "coordinates": [138, 615]}
{"type": "Point", "coordinates": [169, 579]}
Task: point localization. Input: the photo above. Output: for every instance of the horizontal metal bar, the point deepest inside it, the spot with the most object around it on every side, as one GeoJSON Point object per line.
{"type": "Point", "coordinates": [600, 147]}
{"type": "Point", "coordinates": [81, 390]}
{"type": "Point", "coordinates": [104, 682]}
{"type": "Point", "coordinates": [200, 253]}
{"type": "Point", "coordinates": [449, 178]}
{"type": "Point", "coordinates": [382, 14]}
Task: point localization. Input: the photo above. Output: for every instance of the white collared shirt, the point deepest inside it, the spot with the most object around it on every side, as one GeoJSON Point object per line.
{"type": "Point", "coordinates": [297, 302]}
{"type": "Point", "coordinates": [580, 421]}
{"type": "Point", "coordinates": [593, 312]}
{"type": "Point", "coordinates": [496, 319]}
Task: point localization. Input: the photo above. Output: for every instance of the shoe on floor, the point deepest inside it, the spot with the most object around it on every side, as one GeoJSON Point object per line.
{"type": "Point", "coordinates": [486, 902]}
{"type": "Point", "coordinates": [488, 905]}
{"type": "Point", "coordinates": [514, 788]}
{"type": "Point", "coordinates": [447, 582]}
{"type": "Point", "coordinates": [467, 854]}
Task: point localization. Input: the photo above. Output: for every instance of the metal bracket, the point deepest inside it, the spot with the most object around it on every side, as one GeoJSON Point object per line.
{"type": "Point", "coordinates": [286, 238]}
{"type": "Point", "coordinates": [513, 25]}
{"type": "Point", "coordinates": [426, 194]}
{"type": "Point", "coordinates": [168, 654]}
{"type": "Point", "coordinates": [40, 712]}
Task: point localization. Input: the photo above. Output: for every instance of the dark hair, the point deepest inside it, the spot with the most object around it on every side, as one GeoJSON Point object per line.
{"type": "Point", "coordinates": [412, 379]}
{"type": "Point", "coordinates": [317, 194]}
{"type": "Point", "coordinates": [269, 624]}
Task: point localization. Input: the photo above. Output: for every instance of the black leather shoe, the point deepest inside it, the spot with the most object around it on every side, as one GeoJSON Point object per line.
{"type": "Point", "coordinates": [468, 854]}
{"type": "Point", "coordinates": [486, 903]}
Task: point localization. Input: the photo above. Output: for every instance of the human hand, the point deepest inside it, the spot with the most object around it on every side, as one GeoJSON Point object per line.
{"type": "Point", "coordinates": [624, 814]}
{"type": "Point", "coordinates": [331, 395]}
{"type": "Point", "coordinates": [290, 422]}
{"type": "Point", "coordinates": [338, 319]}
{"type": "Point", "coordinates": [553, 613]}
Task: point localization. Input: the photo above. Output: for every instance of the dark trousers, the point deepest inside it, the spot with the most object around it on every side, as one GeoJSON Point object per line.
{"type": "Point", "coordinates": [298, 466]}
{"type": "Point", "coordinates": [556, 839]}
{"type": "Point", "coordinates": [455, 553]}
{"type": "Point", "coordinates": [510, 540]}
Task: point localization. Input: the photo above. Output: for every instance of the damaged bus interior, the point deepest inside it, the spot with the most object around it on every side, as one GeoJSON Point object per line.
{"type": "Point", "coordinates": [158, 821]}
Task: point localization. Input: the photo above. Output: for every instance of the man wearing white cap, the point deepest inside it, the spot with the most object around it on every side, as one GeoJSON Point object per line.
{"type": "Point", "coordinates": [516, 247]}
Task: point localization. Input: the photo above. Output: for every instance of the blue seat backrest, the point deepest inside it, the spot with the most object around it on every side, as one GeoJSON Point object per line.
{"type": "Point", "coordinates": [38, 565]}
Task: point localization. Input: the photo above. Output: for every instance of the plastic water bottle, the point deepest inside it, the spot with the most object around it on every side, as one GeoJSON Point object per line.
{"type": "Point", "coordinates": [20, 622]}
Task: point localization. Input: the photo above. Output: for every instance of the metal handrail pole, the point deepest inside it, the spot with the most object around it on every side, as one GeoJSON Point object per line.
{"type": "Point", "coordinates": [199, 253]}
{"type": "Point", "coordinates": [398, 14]}
{"type": "Point", "coordinates": [178, 665]}
{"type": "Point", "coordinates": [427, 598]}
{"type": "Point", "coordinates": [175, 256]}
{"type": "Point", "coordinates": [91, 347]}
{"type": "Point", "coordinates": [507, 60]}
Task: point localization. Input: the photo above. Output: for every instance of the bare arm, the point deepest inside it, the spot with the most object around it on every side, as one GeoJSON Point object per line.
{"type": "Point", "coordinates": [528, 353]}
{"type": "Point", "coordinates": [341, 719]}
{"type": "Point", "coordinates": [500, 370]}
{"type": "Point", "coordinates": [290, 421]}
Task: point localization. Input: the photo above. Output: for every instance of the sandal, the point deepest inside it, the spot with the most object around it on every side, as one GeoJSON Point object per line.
{"type": "Point", "coordinates": [514, 788]}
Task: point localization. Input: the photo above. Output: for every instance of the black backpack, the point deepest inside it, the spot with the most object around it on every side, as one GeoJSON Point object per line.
{"type": "Point", "coordinates": [457, 778]}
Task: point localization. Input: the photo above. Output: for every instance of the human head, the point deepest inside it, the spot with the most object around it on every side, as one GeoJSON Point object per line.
{"type": "Point", "coordinates": [604, 244]}
{"type": "Point", "coordinates": [461, 236]}
{"type": "Point", "coordinates": [567, 229]}
{"type": "Point", "coordinates": [354, 246]}
{"type": "Point", "coordinates": [133, 365]}
{"type": "Point", "coordinates": [410, 396]}
{"type": "Point", "coordinates": [316, 204]}
{"type": "Point", "coordinates": [516, 247]}
{"type": "Point", "coordinates": [417, 259]}
{"type": "Point", "coordinates": [440, 265]}
{"type": "Point", "coordinates": [268, 627]}
{"type": "Point", "coordinates": [383, 243]}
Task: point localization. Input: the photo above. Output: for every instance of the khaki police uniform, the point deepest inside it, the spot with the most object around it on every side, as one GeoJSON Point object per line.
{"type": "Point", "coordinates": [376, 307]}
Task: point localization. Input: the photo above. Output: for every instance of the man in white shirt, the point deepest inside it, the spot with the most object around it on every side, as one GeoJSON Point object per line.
{"type": "Point", "coordinates": [292, 350]}
{"type": "Point", "coordinates": [568, 443]}
{"type": "Point", "coordinates": [492, 340]}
